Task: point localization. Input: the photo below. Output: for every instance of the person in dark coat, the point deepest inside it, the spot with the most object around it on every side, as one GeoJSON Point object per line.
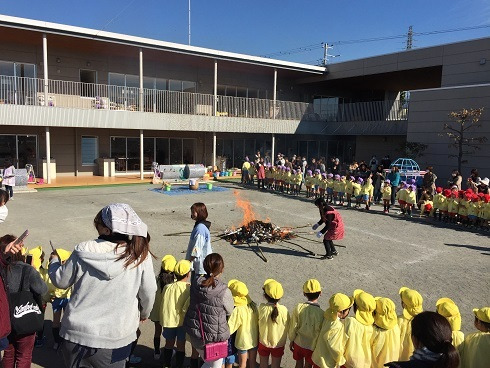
{"type": "Point", "coordinates": [333, 229]}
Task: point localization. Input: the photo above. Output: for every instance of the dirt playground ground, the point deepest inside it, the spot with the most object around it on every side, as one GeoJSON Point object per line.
{"type": "Point", "coordinates": [380, 253]}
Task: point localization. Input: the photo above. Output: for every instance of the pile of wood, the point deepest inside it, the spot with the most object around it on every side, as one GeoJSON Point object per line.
{"type": "Point", "coordinates": [257, 231]}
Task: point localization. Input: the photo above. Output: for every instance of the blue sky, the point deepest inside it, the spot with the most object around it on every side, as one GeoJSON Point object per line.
{"type": "Point", "coordinates": [264, 27]}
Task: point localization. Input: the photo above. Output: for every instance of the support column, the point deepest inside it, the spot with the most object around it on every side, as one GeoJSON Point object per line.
{"type": "Point", "coordinates": [273, 153]}
{"type": "Point", "coordinates": [48, 156]}
{"type": "Point", "coordinates": [141, 80]}
{"type": "Point", "coordinates": [274, 95]}
{"type": "Point", "coordinates": [141, 154]}
{"type": "Point", "coordinates": [214, 150]}
{"type": "Point", "coordinates": [215, 93]}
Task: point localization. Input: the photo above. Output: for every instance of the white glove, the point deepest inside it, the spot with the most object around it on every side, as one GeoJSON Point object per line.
{"type": "Point", "coordinates": [314, 227]}
{"type": "Point", "coordinates": [319, 234]}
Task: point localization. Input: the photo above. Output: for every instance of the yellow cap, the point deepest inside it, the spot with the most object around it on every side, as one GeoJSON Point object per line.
{"type": "Point", "coordinates": [312, 286]}
{"type": "Point", "coordinates": [273, 289]}
{"type": "Point", "coordinates": [413, 302]}
{"type": "Point", "coordinates": [168, 263]}
{"type": "Point", "coordinates": [239, 291]}
{"type": "Point", "coordinates": [64, 254]}
{"type": "Point", "coordinates": [23, 251]}
{"type": "Point", "coordinates": [337, 302]}
{"type": "Point", "coordinates": [182, 267]}
{"type": "Point", "coordinates": [447, 308]}
{"type": "Point", "coordinates": [483, 314]}
{"type": "Point", "coordinates": [385, 316]}
{"type": "Point", "coordinates": [36, 254]}
{"type": "Point", "coordinates": [366, 305]}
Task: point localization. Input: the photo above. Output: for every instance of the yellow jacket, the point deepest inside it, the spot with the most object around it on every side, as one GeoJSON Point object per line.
{"type": "Point", "coordinates": [367, 189]}
{"type": "Point", "coordinates": [309, 181]}
{"type": "Point", "coordinates": [244, 320]}
{"type": "Point", "coordinates": [348, 187]}
{"type": "Point", "coordinates": [53, 291]}
{"type": "Point", "coordinates": [356, 189]}
{"type": "Point", "coordinates": [385, 346]}
{"type": "Point", "coordinates": [305, 325]}
{"type": "Point", "coordinates": [329, 349]}
{"type": "Point", "coordinates": [458, 338]}
{"type": "Point", "coordinates": [485, 211]}
{"type": "Point", "coordinates": [463, 208]}
{"type": "Point", "coordinates": [337, 186]}
{"type": "Point", "coordinates": [329, 183]}
{"type": "Point", "coordinates": [246, 165]}
{"type": "Point", "coordinates": [358, 346]}
{"type": "Point", "coordinates": [452, 205]}
{"type": "Point", "coordinates": [175, 303]}
{"type": "Point", "coordinates": [474, 351]}
{"type": "Point", "coordinates": [406, 344]}
{"type": "Point", "coordinates": [411, 197]}
{"type": "Point", "coordinates": [401, 194]}
{"type": "Point", "coordinates": [273, 334]}
{"type": "Point", "coordinates": [157, 304]}
{"type": "Point", "coordinates": [473, 208]}
{"type": "Point", "coordinates": [438, 200]}
{"type": "Point", "coordinates": [386, 192]}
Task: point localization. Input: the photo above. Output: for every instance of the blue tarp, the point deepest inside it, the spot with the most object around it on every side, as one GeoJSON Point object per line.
{"type": "Point", "coordinates": [184, 189]}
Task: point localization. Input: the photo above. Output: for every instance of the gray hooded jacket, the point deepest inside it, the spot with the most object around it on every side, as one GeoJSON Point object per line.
{"type": "Point", "coordinates": [214, 304]}
{"type": "Point", "coordinates": [108, 300]}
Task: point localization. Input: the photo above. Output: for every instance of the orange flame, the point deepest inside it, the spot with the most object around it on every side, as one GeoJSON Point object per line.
{"type": "Point", "coordinates": [246, 207]}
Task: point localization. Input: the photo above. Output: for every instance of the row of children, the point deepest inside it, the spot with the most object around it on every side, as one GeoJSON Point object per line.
{"type": "Point", "coordinates": [373, 336]}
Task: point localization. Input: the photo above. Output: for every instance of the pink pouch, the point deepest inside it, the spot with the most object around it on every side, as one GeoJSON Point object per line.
{"type": "Point", "coordinates": [215, 351]}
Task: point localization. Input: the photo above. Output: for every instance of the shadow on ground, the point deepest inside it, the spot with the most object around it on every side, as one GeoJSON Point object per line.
{"type": "Point", "coordinates": [484, 250]}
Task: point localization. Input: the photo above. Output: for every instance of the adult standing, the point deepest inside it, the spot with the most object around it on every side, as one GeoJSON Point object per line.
{"type": "Point", "coordinates": [473, 181]}
{"type": "Point", "coordinates": [333, 230]}
{"type": "Point", "coordinates": [113, 290]}
{"type": "Point", "coordinates": [200, 241]}
{"type": "Point", "coordinates": [455, 179]}
{"type": "Point", "coordinates": [9, 178]}
{"type": "Point", "coordinates": [378, 179]}
{"type": "Point", "coordinates": [394, 177]}
{"type": "Point", "coordinates": [373, 163]}
{"type": "Point", "coordinates": [210, 304]}
{"type": "Point", "coordinates": [21, 276]}
{"type": "Point", "coordinates": [429, 181]}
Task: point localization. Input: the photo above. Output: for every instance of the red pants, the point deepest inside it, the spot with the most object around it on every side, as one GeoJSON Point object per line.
{"type": "Point", "coordinates": [19, 352]}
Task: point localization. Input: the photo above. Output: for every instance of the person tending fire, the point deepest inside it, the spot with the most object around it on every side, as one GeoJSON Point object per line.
{"type": "Point", "coordinates": [333, 229]}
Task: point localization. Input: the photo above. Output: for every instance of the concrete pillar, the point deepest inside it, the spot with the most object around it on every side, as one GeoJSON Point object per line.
{"type": "Point", "coordinates": [214, 150]}
{"type": "Point", "coordinates": [46, 86]}
{"type": "Point", "coordinates": [141, 154]}
{"type": "Point", "coordinates": [48, 156]}
{"type": "Point", "coordinates": [273, 153]}
{"type": "Point", "coordinates": [274, 98]}
{"type": "Point", "coordinates": [215, 93]}
{"type": "Point", "coordinates": [141, 80]}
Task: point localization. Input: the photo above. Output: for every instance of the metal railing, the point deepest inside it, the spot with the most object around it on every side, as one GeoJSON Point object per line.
{"type": "Point", "coordinates": [30, 91]}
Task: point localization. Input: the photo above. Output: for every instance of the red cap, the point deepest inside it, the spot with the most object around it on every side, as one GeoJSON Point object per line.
{"type": "Point", "coordinates": [439, 189]}
{"type": "Point", "coordinates": [447, 193]}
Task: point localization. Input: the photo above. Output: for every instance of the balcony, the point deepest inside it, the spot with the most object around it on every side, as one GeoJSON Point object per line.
{"type": "Point", "coordinates": [245, 114]}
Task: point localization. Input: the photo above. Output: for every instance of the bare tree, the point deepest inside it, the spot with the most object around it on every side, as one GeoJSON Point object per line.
{"type": "Point", "coordinates": [458, 131]}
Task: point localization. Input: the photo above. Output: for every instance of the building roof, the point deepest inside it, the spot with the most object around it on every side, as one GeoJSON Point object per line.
{"type": "Point", "coordinates": [100, 35]}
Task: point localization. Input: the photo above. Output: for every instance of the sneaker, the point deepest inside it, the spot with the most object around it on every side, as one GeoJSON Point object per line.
{"type": "Point", "coordinates": [133, 359]}
{"type": "Point", "coordinates": [56, 346]}
{"type": "Point", "coordinates": [335, 253]}
{"type": "Point", "coordinates": [156, 355]}
{"type": "Point", "coordinates": [327, 257]}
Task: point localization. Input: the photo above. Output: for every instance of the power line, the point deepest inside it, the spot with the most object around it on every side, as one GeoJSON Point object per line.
{"type": "Point", "coordinates": [308, 48]}
{"type": "Point", "coordinates": [116, 16]}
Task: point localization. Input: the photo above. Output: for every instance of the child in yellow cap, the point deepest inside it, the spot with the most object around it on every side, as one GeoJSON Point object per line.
{"type": "Point", "coordinates": [330, 345]}
{"type": "Point", "coordinates": [36, 261]}
{"type": "Point", "coordinates": [359, 330]}
{"type": "Point", "coordinates": [175, 302]}
{"type": "Point", "coordinates": [412, 305]}
{"type": "Point", "coordinates": [306, 321]}
{"type": "Point", "coordinates": [447, 308]}
{"type": "Point", "coordinates": [474, 351]}
{"type": "Point", "coordinates": [243, 322]}
{"type": "Point", "coordinates": [59, 299]}
{"type": "Point", "coordinates": [385, 343]}
{"type": "Point", "coordinates": [165, 277]}
{"type": "Point", "coordinates": [273, 325]}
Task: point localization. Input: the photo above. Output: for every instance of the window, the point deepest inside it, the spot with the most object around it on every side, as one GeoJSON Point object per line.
{"type": "Point", "coordinates": [90, 150]}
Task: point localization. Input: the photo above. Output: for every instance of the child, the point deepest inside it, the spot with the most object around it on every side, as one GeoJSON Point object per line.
{"type": "Point", "coordinates": [322, 185]}
{"type": "Point", "coordinates": [59, 299]}
{"type": "Point", "coordinates": [342, 189]}
{"type": "Point", "coordinates": [273, 325]}
{"type": "Point", "coordinates": [317, 181]}
{"type": "Point", "coordinates": [386, 195]}
{"type": "Point", "coordinates": [474, 350]}
{"type": "Point", "coordinates": [438, 204]}
{"type": "Point", "coordinates": [166, 276]}
{"type": "Point", "coordinates": [306, 322]}
{"type": "Point", "coordinates": [309, 183]}
{"type": "Point", "coordinates": [329, 348]}
{"type": "Point", "coordinates": [412, 305]}
{"type": "Point", "coordinates": [401, 195]}
{"type": "Point", "coordinates": [464, 199]}
{"type": "Point", "coordinates": [484, 214]}
{"type": "Point", "coordinates": [4, 198]}
{"type": "Point", "coordinates": [251, 173]}
{"type": "Point", "coordinates": [356, 191]}
{"type": "Point", "coordinates": [336, 189]}
{"type": "Point", "coordinates": [37, 260]}
{"type": "Point", "coordinates": [452, 206]}
{"type": "Point", "coordinates": [287, 180]}
{"type": "Point", "coordinates": [348, 190]}
{"type": "Point", "coordinates": [243, 322]}
{"type": "Point", "coordinates": [444, 205]}
{"type": "Point", "coordinates": [298, 181]}
{"type": "Point", "coordinates": [447, 308]}
{"type": "Point", "coordinates": [411, 199]}
{"type": "Point", "coordinates": [329, 187]}
{"type": "Point", "coordinates": [473, 209]}
{"type": "Point", "coordinates": [385, 344]}
{"type": "Point", "coordinates": [174, 306]}
{"type": "Point", "coordinates": [367, 192]}
{"type": "Point", "coordinates": [360, 331]}
{"type": "Point", "coordinates": [425, 202]}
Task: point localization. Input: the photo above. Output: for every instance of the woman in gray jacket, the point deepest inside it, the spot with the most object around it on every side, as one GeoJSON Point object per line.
{"type": "Point", "coordinates": [113, 290]}
{"type": "Point", "coordinates": [213, 300]}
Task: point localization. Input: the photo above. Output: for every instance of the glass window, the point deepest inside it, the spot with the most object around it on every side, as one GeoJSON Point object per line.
{"type": "Point", "coordinates": [118, 152]}
{"type": "Point", "coordinates": [303, 148]}
{"type": "Point", "coordinates": [238, 157]}
{"type": "Point", "coordinates": [90, 150]}
{"type": "Point", "coordinates": [175, 151]}
{"type": "Point", "coordinates": [161, 84]}
{"type": "Point", "coordinates": [231, 91]}
{"type": "Point", "coordinates": [133, 154]}
{"type": "Point", "coordinates": [27, 146]}
{"type": "Point", "coordinates": [148, 153]}
{"type": "Point", "coordinates": [132, 81]}
{"type": "Point", "coordinates": [174, 85]}
{"type": "Point", "coordinates": [221, 90]}
{"type": "Point", "coordinates": [250, 148]}
{"type": "Point", "coordinates": [7, 68]}
{"type": "Point", "coordinates": [188, 151]}
{"type": "Point", "coordinates": [25, 70]}
{"type": "Point", "coordinates": [116, 79]}
{"type": "Point", "coordinates": [7, 148]}
{"type": "Point", "coordinates": [189, 86]}
{"type": "Point", "coordinates": [162, 152]}
{"type": "Point", "coordinates": [312, 149]}
{"type": "Point", "coordinates": [219, 147]}
{"type": "Point", "coordinates": [241, 92]}
{"type": "Point", "coordinates": [228, 152]}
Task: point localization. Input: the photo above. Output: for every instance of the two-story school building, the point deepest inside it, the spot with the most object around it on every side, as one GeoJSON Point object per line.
{"type": "Point", "coordinates": [73, 98]}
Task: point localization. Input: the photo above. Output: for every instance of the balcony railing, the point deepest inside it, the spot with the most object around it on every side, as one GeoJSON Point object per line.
{"type": "Point", "coordinates": [30, 91]}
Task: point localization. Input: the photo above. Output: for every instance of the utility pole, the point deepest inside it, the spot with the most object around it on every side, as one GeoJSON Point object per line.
{"type": "Point", "coordinates": [326, 55]}
{"type": "Point", "coordinates": [409, 38]}
{"type": "Point", "coordinates": [189, 22]}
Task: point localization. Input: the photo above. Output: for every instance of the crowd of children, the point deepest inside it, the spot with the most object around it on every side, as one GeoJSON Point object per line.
{"type": "Point", "coordinates": [371, 336]}
{"type": "Point", "coordinates": [449, 205]}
